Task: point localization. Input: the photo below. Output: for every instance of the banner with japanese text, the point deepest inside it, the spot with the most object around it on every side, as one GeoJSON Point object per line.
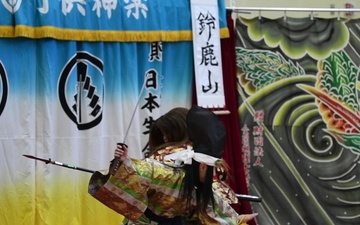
{"type": "Point", "coordinates": [207, 52]}
{"type": "Point", "coordinates": [102, 20]}
{"type": "Point", "coordinates": [77, 77]}
{"type": "Point", "coordinates": [72, 102]}
{"type": "Point", "coordinates": [298, 93]}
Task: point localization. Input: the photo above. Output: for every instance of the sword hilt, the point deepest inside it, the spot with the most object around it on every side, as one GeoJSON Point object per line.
{"type": "Point", "coordinates": [115, 164]}
{"type": "Point", "coordinates": [249, 198]}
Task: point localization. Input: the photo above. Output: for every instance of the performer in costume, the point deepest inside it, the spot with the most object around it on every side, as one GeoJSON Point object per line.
{"type": "Point", "coordinates": [145, 191]}
{"type": "Point", "coordinates": [168, 130]}
{"type": "Point", "coordinates": [168, 134]}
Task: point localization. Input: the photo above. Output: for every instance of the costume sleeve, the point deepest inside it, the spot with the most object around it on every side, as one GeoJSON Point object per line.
{"type": "Point", "coordinates": [125, 191]}
{"type": "Point", "coordinates": [223, 190]}
{"type": "Point", "coordinates": [222, 214]}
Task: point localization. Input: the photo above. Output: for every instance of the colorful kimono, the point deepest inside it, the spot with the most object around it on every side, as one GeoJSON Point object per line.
{"type": "Point", "coordinates": [220, 187]}
{"type": "Point", "coordinates": [139, 185]}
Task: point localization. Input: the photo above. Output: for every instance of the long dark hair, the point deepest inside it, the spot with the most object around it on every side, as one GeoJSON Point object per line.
{"type": "Point", "coordinates": [173, 125]}
{"type": "Point", "coordinates": [208, 135]}
{"type": "Point", "coordinates": [203, 191]}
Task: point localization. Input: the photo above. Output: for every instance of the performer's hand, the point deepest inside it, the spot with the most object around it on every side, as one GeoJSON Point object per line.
{"type": "Point", "coordinates": [244, 218]}
{"type": "Point", "coordinates": [121, 151]}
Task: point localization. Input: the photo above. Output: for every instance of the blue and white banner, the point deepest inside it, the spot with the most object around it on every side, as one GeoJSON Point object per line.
{"type": "Point", "coordinates": [101, 20]}
{"type": "Point", "coordinates": [72, 102]}
{"type": "Point", "coordinates": [77, 77]}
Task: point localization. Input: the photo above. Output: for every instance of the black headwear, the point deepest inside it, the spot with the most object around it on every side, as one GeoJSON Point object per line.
{"type": "Point", "coordinates": [206, 131]}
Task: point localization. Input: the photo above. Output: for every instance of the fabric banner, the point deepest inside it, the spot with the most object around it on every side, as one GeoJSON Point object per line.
{"type": "Point", "coordinates": [101, 20]}
{"type": "Point", "coordinates": [72, 102]}
{"type": "Point", "coordinates": [77, 77]}
{"type": "Point", "coordinates": [299, 107]}
{"type": "Point", "coordinates": [207, 52]}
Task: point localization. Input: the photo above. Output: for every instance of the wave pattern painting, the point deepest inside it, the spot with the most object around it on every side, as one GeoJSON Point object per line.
{"type": "Point", "coordinates": [298, 87]}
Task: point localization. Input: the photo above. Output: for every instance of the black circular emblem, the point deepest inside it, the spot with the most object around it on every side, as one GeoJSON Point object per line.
{"type": "Point", "coordinates": [4, 88]}
{"type": "Point", "coordinates": [84, 103]}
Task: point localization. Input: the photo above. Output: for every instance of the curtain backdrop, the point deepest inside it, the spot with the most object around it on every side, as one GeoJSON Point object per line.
{"type": "Point", "coordinates": [298, 86]}
{"type": "Point", "coordinates": [76, 77]}
{"type": "Point", "coordinates": [232, 153]}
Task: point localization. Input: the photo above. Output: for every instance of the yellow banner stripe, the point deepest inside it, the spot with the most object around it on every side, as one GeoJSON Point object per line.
{"type": "Point", "coordinates": [98, 35]}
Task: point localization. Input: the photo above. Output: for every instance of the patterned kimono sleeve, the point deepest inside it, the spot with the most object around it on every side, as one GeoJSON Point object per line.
{"type": "Point", "coordinates": [223, 214]}
{"type": "Point", "coordinates": [126, 191]}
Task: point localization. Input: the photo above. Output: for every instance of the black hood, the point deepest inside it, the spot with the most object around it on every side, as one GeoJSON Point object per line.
{"type": "Point", "coordinates": [206, 131]}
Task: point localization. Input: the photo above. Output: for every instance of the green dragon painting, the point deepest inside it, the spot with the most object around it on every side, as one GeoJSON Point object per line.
{"type": "Point", "coordinates": [303, 75]}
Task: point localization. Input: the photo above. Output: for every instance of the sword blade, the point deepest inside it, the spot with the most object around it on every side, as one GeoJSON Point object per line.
{"type": "Point", "coordinates": [47, 161]}
{"type": "Point", "coordinates": [36, 158]}
{"type": "Point", "coordinates": [249, 198]}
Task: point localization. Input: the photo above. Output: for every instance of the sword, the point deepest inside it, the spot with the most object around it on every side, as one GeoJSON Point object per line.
{"type": "Point", "coordinates": [251, 198]}
{"type": "Point", "coordinates": [47, 161]}
{"type": "Point", "coordinates": [115, 163]}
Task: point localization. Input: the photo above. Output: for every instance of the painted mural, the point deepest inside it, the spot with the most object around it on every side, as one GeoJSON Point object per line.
{"type": "Point", "coordinates": [298, 94]}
